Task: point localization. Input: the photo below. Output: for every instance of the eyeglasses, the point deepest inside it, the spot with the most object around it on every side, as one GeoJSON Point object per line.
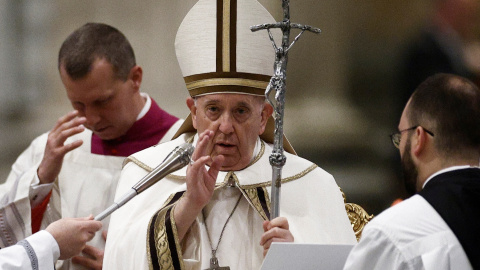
{"type": "Point", "coordinates": [397, 136]}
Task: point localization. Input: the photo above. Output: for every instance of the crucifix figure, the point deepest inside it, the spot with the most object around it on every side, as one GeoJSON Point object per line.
{"type": "Point", "coordinates": [278, 84]}
{"type": "Point", "coordinates": [214, 265]}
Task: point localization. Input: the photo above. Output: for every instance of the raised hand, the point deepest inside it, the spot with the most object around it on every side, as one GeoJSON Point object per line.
{"type": "Point", "coordinates": [66, 126]}
{"type": "Point", "coordinates": [200, 184]}
{"type": "Point", "coordinates": [72, 234]}
{"type": "Point", "coordinates": [276, 230]}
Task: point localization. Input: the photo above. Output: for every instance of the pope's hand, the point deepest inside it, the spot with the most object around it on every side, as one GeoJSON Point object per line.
{"type": "Point", "coordinates": [276, 230]}
{"type": "Point", "coordinates": [200, 184]}
{"type": "Point", "coordinates": [66, 126]}
{"type": "Point", "coordinates": [200, 181]}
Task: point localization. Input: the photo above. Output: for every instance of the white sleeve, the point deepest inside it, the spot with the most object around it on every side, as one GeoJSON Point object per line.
{"type": "Point", "coordinates": [191, 251]}
{"type": "Point", "coordinates": [15, 205]}
{"type": "Point", "coordinates": [38, 192]}
{"type": "Point", "coordinates": [37, 252]}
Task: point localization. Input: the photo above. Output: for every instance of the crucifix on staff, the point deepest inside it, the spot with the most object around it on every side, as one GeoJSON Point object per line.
{"type": "Point", "coordinates": [279, 85]}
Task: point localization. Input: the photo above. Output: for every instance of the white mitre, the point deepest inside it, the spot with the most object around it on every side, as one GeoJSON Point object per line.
{"type": "Point", "coordinates": [218, 53]}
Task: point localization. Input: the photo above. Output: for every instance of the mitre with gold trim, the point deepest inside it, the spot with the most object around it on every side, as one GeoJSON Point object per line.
{"type": "Point", "coordinates": [218, 53]}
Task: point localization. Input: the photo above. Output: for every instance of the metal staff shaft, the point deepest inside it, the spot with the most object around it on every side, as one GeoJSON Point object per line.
{"type": "Point", "coordinates": [278, 83]}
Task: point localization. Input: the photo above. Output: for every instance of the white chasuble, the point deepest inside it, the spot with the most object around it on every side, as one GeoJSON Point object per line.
{"type": "Point", "coordinates": [142, 233]}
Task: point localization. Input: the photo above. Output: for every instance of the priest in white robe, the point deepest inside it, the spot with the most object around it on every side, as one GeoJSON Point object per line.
{"type": "Point", "coordinates": [72, 171]}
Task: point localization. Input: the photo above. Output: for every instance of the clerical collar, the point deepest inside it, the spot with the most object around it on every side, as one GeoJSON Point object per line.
{"type": "Point", "coordinates": [453, 168]}
{"type": "Point", "coordinates": [146, 107]}
{"type": "Point", "coordinates": [145, 132]}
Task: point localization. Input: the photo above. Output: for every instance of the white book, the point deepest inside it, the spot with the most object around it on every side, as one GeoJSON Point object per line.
{"type": "Point", "coordinates": [305, 256]}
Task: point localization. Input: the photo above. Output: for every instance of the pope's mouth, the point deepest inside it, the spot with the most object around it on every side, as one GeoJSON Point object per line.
{"type": "Point", "coordinates": [224, 147]}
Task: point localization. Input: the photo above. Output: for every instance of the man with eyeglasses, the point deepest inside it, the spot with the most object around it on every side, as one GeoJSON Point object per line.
{"type": "Point", "coordinates": [439, 143]}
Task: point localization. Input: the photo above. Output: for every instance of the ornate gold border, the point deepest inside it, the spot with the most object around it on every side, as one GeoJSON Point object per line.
{"type": "Point", "coordinates": [138, 163]}
{"type": "Point", "coordinates": [161, 242]}
{"type": "Point", "coordinates": [252, 195]}
{"type": "Point", "coordinates": [284, 180]}
{"type": "Point", "coordinates": [226, 82]}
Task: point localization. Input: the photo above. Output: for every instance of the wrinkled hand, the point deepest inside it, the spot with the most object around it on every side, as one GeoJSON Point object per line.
{"type": "Point", "coordinates": [93, 257]}
{"type": "Point", "coordinates": [276, 230]}
{"type": "Point", "coordinates": [200, 184]}
{"type": "Point", "coordinates": [66, 126]}
{"type": "Point", "coordinates": [72, 234]}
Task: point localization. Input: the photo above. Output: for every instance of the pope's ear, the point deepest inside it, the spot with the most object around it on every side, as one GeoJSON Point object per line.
{"type": "Point", "coordinates": [190, 103]}
{"type": "Point", "coordinates": [193, 110]}
{"type": "Point", "coordinates": [266, 113]}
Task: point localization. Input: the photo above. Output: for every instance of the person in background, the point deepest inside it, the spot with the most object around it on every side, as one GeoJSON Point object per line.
{"type": "Point", "coordinates": [439, 141]}
{"type": "Point", "coordinates": [450, 43]}
{"type": "Point", "coordinates": [73, 170]}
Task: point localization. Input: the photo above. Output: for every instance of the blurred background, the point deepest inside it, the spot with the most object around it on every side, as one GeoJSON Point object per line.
{"type": "Point", "coordinates": [346, 87]}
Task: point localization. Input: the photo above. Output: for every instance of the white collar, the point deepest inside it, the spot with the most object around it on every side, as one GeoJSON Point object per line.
{"type": "Point", "coordinates": [453, 168]}
{"type": "Point", "coordinates": [146, 107]}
